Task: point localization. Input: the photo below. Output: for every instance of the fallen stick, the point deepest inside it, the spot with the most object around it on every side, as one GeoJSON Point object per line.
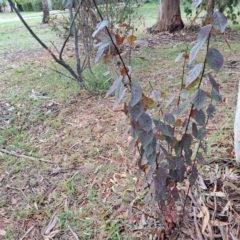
{"type": "Point", "coordinates": [23, 156]}
{"type": "Point", "coordinates": [28, 231]}
{"type": "Point", "coordinates": [73, 233]}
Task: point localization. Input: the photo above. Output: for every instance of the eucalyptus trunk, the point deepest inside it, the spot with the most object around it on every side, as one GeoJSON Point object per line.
{"type": "Point", "coordinates": [45, 11]}
{"type": "Point", "coordinates": [169, 17]}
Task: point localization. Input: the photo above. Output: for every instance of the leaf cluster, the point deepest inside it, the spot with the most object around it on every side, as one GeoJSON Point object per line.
{"type": "Point", "coordinates": [168, 134]}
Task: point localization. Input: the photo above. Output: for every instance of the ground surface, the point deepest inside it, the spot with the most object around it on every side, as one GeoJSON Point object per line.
{"type": "Point", "coordinates": [89, 177]}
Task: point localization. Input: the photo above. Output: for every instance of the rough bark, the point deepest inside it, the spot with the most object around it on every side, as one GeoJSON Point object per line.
{"type": "Point", "coordinates": [169, 17]}
{"type": "Point", "coordinates": [45, 11]}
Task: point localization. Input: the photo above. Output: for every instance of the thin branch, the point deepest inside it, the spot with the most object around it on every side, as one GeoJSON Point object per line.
{"type": "Point", "coordinates": [79, 71]}
{"type": "Point", "coordinates": [28, 231]}
{"type": "Point", "coordinates": [23, 156]}
{"type": "Point", "coordinates": [59, 61]}
{"type": "Point", "coordinates": [70, 29]}
{"type": "Point", "coordinates": [56, 71]}
{"type": "Point", "coordinates": [73, 233]}
{"type": "Point", "coordinates": [200, 81]}
{"type": "Point", "coordinates": [54, 46]}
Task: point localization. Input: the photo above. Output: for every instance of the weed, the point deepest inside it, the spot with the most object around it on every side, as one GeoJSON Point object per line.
{"type": "Point", "coordinates": [9, 232]}
{"type": "Point", "coordinates": [97, 83]}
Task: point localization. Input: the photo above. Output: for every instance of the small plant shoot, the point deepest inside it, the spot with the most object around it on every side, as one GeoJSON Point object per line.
{"type": "Point", "coordinates": [168, 131]}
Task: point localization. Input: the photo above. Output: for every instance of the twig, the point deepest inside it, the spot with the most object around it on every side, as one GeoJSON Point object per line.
{"type": "Point", "coordinates": [59, 61]}
{"type": "Point", "coordinates": [70, 29]}
{"type": "Point", "coordinates": [189, 117]}
{"type": "Point", "coordinates": [51, 225]}
{"type": "Point", "coordinates": [56, 71]}
{"type": "Point", "coordinates": [73, 233]}
{"type": "Point", "coordinates": [23, 156]}
{"type": "Point", "coordinates": [19, 189]}
{"type": "Point", "coordinates": [54, 46]}
{"type": "Point", "coordinates": [28, 231]}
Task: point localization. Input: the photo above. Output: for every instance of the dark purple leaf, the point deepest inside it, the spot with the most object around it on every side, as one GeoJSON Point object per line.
{"type": "Point", "coordinates": [219, 21]}
{"type": "Point", "coordinates": [164, 151]}
{"type": "Point", "coordinates": [214, 59]}
{"type": "Point", "coordinates": [213, 82]}
{"type": "Point", "coordinates": [200, 158]}
{"type": "Point", "coordinates": [198, 98]}
{"type": "Point", "coordinates": [194, 51]}
{"type": "Point", "coordinates": [135, 125]}
{"type": "Point", "coordinates": [170, 141]}
{"type": "Point", "coordinates": [114, 86]}
{"type": "Point", "coordinates": [152, 158]}
{"type": "Point", "coordinates": [181, 173]}
{"type": "Point", "coordinates": [145, 137]}
{"type": "Point", "coordinates": [202, 132]}
{"type": "Point", "coordinates": [201, 38]}
{"type": "Point", "coordinates": [183, 107]}
{"type": "Point", "coordinates": [199, 117]}
{"type": "Point", "coordinates": [193, 176]}
{"type": "Point", "coordinates": [180, 162]}
{"type": "Point", "coordinates": [160, 179]}
{"type": "Point", "coordinates": [216, 96]}
{"type": "Point", "coordinates": [119, 94]}
{"type": "Point", "coordinates": [210, 111]}
{"type": "Point", "coordinates": [194, 130]}
{"type": "Point", "coordinates": [145, 122]}
{"type": "Point", "coordinates": [165, 130]}
{"type": "Point", "coordinates": [193, 74]}
{"type": "Point", "coordinates": [173, 174]}
{"type": "Point", "coordinates": [151, 147]}
{"type": "Point", "coordinates": [186, 141]}
{"type": "Point", "coordinates": [136, 94]}
{"type": "Point", "coordinates": [178, 148]}
{"type": "Point", "coordinates": [185, 122]}
{"type": "Point", "coordinates": [135, 111]}
{"type": "Point", "coordinates": [160, 158]}
{"type": "Point", "coordinates": [203, 34]}
{"type": "Point", "coordinates": [196, 3]}
{"type": "Point", "coordinates": [188, 156]}
{"type": "Point", "coordinates": [169, 118]}
{"type": "Point", "coordinates": [175, 194]}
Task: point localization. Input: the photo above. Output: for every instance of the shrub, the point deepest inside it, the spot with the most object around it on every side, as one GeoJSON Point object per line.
{"type": "Point", "coordinates": [36, 5]}
{"type": "Point", "coordinates": [26, 7]}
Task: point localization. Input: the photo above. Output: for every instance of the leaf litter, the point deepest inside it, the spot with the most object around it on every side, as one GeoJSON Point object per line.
{"type": "Point", "coordinates": [93, 175]}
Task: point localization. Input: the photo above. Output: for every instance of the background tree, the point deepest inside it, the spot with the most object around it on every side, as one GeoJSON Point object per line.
{"type": "Point", "coordinates": [226, 6]}
{"type": "Point", "coordinates": [45, 11]}
{"type": "Point", "coordinates": [169, 17]}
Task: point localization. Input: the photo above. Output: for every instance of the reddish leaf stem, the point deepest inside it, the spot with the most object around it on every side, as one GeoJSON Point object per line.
{"type": "Point", "coordinates": [194, 163]}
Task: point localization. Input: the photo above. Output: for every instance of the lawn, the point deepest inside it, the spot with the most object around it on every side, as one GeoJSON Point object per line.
{"type": "Point", "coordinates": [73, 168]}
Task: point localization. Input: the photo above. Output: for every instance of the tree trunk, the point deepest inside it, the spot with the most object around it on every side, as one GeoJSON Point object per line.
{"type": "Point", "coordinates": [169, 17]}
{"type": "Point", "coordinates": [45, 11]}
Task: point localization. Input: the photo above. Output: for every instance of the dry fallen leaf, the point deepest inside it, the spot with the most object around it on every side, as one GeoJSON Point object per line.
{"type": "Point", "coordinates": [205, 219]}
{"type": "Point", "coordinates": [2, 232]}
